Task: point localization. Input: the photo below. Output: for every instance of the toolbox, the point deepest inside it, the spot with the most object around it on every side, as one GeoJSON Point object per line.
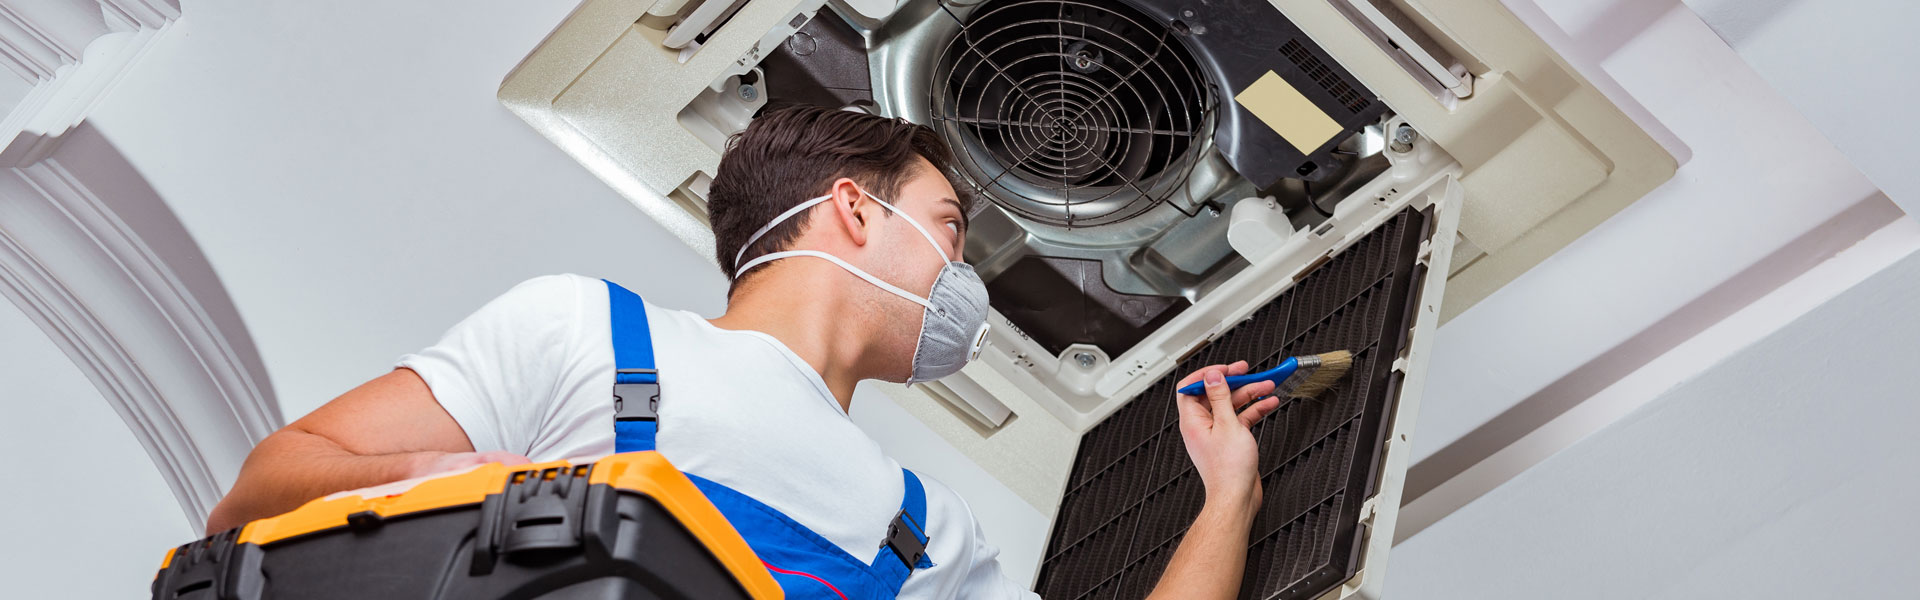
{"type": "Point", "coordinates": [624, 526]}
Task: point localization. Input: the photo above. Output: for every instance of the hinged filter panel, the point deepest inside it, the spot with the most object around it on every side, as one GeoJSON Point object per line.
{"type": "Point", "coordinates": [1327, 464]}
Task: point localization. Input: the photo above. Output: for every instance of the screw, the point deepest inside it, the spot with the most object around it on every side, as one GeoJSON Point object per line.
{"type": "Point", "coordinates": [1403, 138]}
{"type": "Point", "coordinates": [747, 93]}
{"type": "Point", "coordinates": [1084, 358]}
{"type": "Point", "coordinates": [1083, 58]}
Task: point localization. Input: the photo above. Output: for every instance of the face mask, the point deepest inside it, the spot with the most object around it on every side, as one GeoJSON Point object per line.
{"type": "Point", "coordinates": [953, 327]}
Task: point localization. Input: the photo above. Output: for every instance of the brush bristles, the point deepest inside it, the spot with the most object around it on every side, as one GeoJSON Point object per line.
{"type": "Point", "coordinates": [1316, 374]}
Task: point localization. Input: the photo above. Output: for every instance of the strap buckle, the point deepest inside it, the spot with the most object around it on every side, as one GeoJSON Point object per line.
{"type": "Point", "coordinates": [906, 539]}
{"type": "Point", "coordinates": [636, 401]}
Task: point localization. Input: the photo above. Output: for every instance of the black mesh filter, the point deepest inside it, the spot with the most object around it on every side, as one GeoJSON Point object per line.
{"type": "Point", "coordinates": [1133, 492]}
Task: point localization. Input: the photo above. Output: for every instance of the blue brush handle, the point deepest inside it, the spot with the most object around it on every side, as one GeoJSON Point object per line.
{"type": "Point", "coordinates": [1234, 382]}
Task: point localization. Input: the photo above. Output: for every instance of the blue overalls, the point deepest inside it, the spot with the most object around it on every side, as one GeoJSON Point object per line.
{"type": "Point", "coordinates": [806, 564]}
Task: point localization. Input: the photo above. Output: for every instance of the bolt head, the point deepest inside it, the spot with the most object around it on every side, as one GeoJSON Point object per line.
{"type": "Point", "coordinates": [1405, 134]}
{"type": "Point", "coordinates": [748, 93]}
{"type": "Point", "coordinates": [1403, 138]}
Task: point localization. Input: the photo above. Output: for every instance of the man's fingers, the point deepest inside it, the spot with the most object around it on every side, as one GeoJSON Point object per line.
{"type": "Point", "coordinates": [503, 457]}
{"type": "Point", "coordinates": [1250, 392]}
{"type": "Point", "coordinates": [1192, 377]}
{"type": "Point", "coordinates": [1219, 398]}
{"type": "Point", "coordinates": [1237, 368]}
{"type": "Point", "coordinates": [1259, 410]}
{"type": "Point", "coordinates": [1192, 408]}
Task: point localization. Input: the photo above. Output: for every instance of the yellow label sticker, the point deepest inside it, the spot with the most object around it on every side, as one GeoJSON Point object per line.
{"type": "Point", "coordinates": [1288, 112]}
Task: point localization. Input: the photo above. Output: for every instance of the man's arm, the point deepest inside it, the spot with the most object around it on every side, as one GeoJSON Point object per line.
{"type": "Point", "coordinates": [388, 429]}
{"type": "Point", "coordinates": [1213, 554]}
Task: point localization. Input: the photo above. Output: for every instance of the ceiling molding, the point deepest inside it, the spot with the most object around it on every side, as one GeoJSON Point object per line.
{"type": "Point", "coordinates": [91, 253]}
{"type": "Point", "coordinates": [39, 37]}
{"type": "Point", "coordinates": [1591, 398]}
{"type": "Point", "coordinates": [178, 368]}
{"type": "Point", "coordinates": [68, 53]}
{"type": "Point", "coordinates": [124, 15]}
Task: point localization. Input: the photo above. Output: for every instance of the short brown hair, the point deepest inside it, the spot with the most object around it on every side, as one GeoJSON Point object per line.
{"type": "Point", "coordinates": [789, 155]}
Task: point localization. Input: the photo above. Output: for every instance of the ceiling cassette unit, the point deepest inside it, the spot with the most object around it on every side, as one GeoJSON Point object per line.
{"type": "Point", "coordinates": [1169, 184]}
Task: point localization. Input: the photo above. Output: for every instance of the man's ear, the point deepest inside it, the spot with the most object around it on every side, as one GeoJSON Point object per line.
{"type": "Point", "coordinates": [849, 209]}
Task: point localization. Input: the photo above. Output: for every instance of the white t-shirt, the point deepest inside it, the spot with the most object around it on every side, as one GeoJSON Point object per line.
{"type": "Point", "coordinates": [532, 373]}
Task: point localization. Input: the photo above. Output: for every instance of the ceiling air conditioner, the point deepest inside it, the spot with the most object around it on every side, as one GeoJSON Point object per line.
{"type": "Point", "coordinates": [1172, 183]}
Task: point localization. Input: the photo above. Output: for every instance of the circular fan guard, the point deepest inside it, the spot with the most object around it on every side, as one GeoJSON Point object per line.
{"type": "Point", "coordinates": [1070, 113]}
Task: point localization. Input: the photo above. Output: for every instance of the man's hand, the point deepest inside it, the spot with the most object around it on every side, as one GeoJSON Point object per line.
{"type": "Point", "coordinates": [1210, 558]}
{"type": "Point", "coordinates": [430, 463]}
{"type": "Point", "coordinates": [1215, 429]}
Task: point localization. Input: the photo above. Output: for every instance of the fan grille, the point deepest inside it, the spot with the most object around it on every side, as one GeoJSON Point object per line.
{"type": "Point", "coordinates": [1071, 113]}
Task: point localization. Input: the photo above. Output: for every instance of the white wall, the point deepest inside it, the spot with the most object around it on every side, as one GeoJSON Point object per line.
{"type": "Point", "coordinates": [349, 174]}
{"type": "Point", "coordinates": [1784, 472]}
{"type": "Point", "coordinates": [85, 514]}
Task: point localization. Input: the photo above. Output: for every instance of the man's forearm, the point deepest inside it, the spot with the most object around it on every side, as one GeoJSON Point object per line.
{"type": "Point", "coordinates": [1212, 556]}
{"type": "Point", "coordinates": [291, 467]}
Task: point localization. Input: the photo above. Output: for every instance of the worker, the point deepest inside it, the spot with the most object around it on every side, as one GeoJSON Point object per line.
{"type": "Point", "coordinates": [842, 234]}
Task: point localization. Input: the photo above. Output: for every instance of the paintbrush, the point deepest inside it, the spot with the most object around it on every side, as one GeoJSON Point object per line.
{"type": "Point", "coordinates": [1296, 377]}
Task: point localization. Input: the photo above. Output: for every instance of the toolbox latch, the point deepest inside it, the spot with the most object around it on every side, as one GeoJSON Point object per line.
{"type": "Point", "coordinates": [212, 568]}
{"type": "Point", "coordinates": [538, 513]}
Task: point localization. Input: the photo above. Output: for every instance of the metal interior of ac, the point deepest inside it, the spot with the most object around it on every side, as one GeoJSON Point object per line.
{"type": "Point", "coordinates": [1088, 128]}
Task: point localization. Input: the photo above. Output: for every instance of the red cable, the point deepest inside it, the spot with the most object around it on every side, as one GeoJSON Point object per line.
{"type": "Point", "coordinates": [775, 569]}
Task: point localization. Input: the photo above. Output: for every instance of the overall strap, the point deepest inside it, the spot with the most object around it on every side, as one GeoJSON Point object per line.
{"type": "Point", "coordinates": [636, 385]}
{"type": "Point", "coordinates": [905, 547]}
{"type": "Point", "coordinates": [808, 566]}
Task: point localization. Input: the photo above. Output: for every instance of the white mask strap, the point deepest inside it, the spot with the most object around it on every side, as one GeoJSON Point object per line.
{"type": "Point", "coordinates": [769, 227]}
{"type": "Point", "coordinates": [798, 208]}
{"type": "Point", "coordinates": [844, 265]}
{"type": "Point", "coordinates": [915, 224]}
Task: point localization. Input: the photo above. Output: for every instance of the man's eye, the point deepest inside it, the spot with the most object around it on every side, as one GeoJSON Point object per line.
{"type": "Point", "coordinates": [954, 227]}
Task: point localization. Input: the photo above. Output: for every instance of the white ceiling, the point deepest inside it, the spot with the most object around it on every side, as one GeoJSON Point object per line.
{"type": "Point", "coordinates": [1783, 472]}
{"type": "Point", "coordinates": [1849, 65]}
{"type": "Point", "coordinates": [1762, 198]}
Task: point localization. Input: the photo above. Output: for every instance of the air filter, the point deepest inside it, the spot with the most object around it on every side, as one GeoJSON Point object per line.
{"type": "Point", "coordinates": [1133, 492]}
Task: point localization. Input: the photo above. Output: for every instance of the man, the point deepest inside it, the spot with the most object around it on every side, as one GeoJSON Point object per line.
{"type": "Point", "coordinates": [842, 234]}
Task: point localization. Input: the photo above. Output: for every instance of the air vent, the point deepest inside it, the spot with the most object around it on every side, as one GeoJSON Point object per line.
{"type": "Point", "coordinates": [1069, 113]}
{"type": "Point", "coordinates": [1133, 490]}
{"type": "Point", "coordinates": [1311, 65]}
